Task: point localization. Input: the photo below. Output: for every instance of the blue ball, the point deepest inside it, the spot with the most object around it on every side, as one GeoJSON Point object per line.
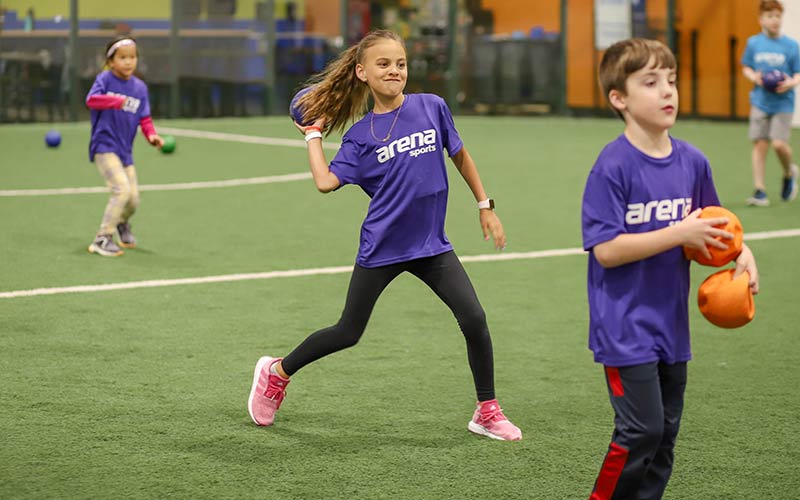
{"type": "Point", "coordinates": [771, 79]}
{"type": "Point", "coordinates": [295, 111]}
{"type": "Point", "coordinates": [52, 139]}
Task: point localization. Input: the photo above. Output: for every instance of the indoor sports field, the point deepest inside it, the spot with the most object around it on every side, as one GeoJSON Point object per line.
{"type": "Point", "coordinates": [139, 390]}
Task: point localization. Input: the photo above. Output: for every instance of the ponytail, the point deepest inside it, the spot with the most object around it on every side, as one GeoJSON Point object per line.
{"type": "Point", "coordinates": [337, 94]}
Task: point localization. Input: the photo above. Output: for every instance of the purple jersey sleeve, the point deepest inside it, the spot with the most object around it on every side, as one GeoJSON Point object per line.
{"type": "Point", "coordinates": [98, 87]}
{"type": "Point", "coordinates": [144, 109]}
{"type": "Point", "coordinates": [346, 162]}
{"type": "Point", "coordinates": [708, 192]}
{"type": "Point", "coordinates": [450, 138]}
{"type": "Point", "coordinates": [603, 208]}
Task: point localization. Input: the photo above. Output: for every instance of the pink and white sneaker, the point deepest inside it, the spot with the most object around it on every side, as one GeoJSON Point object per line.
{"type": "Point", "coordinates": [267, 392]}
{"type": "Point", "coordinates": [488, 420]}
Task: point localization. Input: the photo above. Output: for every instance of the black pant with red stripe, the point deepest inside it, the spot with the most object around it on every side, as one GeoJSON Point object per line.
{"type": "Point", "coordinates": [648, 403]}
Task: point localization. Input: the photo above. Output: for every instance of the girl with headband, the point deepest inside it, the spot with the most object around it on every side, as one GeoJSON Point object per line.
{"type": "Point", "coordinates": [119, 104]}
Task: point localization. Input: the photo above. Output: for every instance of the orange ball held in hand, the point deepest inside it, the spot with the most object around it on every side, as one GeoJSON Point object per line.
{"type": "Point", "coordinates": [719, 257]}
{"type": "Point", "coordinates": [726, 302]}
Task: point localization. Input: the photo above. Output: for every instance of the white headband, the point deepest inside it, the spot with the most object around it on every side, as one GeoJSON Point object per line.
{"type": "Point", "coordinates": [120, 43]}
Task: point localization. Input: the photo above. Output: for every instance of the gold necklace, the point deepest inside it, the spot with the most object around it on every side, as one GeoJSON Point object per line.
{"type": "Point", "coordinates": [388, 134]}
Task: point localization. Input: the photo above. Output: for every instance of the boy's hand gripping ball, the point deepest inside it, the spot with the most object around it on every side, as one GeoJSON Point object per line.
{"type": "Point", "coordinates": [719, 257]}
{"type": "Point", "coordinates": [771, 79]}
{"type": "Point", "coordinates": [725, 301]}
{"type": "Point", "coordinates": [296, 112]}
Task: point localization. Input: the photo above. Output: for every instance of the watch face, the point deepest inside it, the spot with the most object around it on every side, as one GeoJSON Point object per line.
{"type": "Point", "coordinates": [491, 203]}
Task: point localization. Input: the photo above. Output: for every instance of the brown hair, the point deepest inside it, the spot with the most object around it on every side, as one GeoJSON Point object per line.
{"type": "Point", "coordinates": [769, 5]}
{"type": "Point", "coordinates": [629, 56]}
{"type": "Point", "coordinates": [337, 93]}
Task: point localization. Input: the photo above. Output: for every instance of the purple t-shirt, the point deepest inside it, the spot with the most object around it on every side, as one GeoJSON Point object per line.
{"type": "Point", "coordinates": [113, 130]}
{"type": "Point", "coordinates": [405, 177]}
{"type": "Point", "coordinates": [638, 312]}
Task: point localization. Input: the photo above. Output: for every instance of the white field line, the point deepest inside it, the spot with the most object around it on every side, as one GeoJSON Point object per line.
{"type": "Point", "coordinates": [249, 139]}
{"type": "Point", "coordinates": [161, 187]}
{"type": "Point", "coordinates": [226, 278]}
{"type": "Point", "coordinates": [199, 134]}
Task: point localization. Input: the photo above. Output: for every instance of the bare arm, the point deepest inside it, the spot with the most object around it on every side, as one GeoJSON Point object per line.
{"type": "Point", "coordinates": [325, 180]}
{"type": "Point", "coordinates": [747, 262]}
{"type": "Point", "coordinates": [691, 231]}
{"type": "Point", "coordinates": [490, 222]}
{"type": "Point", "coordinates": [752, 75]}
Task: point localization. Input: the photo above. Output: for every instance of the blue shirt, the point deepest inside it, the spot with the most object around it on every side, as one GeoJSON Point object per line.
{"type": "Point", "coordinates": [113, 130]}
{"type": "Point", "coordinates": [405, 177]}
{"type": "Point", "coordinates": [764, 54]}
{"type": "Point", "coordinates": [638, 312]}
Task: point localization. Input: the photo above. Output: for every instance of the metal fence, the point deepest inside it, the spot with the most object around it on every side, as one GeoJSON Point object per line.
{"type": "Point", "coordinates": [200, 61]}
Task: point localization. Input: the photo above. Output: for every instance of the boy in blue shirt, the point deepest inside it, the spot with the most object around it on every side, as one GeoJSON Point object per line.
{"type": "Point", "coordinates": [640, 206]}
{"type": "Point", "coordinates": [771, 110]}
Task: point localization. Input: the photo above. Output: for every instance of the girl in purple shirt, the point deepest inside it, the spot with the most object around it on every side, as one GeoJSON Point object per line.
{"type": "Point", "coordinates": [394, 154]}
{"type": "Point", "coordinates": [118, 103]}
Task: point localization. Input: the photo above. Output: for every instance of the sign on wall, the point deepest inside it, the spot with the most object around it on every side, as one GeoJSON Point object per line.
{"type": "Point", "coordinates": [612, 22]}
{"type": "Point", "coordinates": [791, 28]}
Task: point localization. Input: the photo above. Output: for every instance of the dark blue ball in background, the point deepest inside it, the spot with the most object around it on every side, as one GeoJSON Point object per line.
{"type": "Point", "coordinates": [771, 79]}
{"type": "Point", "coordinates": [295, 111]}
{"type": "Point", "coordinates": [52, 139]}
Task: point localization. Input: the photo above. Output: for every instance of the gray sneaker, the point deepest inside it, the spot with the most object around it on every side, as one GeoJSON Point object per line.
{"type": "Point", "coordinates": [126, 237]}
{"type": "Point", "coordinates": [759, 199]}
{"type": "Point", "coordinates": [104, 245]}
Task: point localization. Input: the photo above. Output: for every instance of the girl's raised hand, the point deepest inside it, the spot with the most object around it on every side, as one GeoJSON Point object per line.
{"type": "Point", "coordinates": [320, 124]}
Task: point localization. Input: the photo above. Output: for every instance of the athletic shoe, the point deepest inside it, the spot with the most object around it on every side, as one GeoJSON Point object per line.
{"type": "Point", "coordinates": [488, 420]}
{"type": "Point", "coordinates": [267, 392]}
{"type": "Point", "coordinates": [104, 245]}
{"type": "Point", "coordinates": [789, 191]}
{"type": "Point", "coordinates": [126, 237]}
{"type": "Point", "coordinates": [759, 199]}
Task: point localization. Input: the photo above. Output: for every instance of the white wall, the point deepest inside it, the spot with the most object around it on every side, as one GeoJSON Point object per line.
{"type": "Point", "coordinates": [791, 27]}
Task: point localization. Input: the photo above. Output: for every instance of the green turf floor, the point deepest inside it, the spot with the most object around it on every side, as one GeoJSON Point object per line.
{"type": "Point", "coordinates": [142, 393]}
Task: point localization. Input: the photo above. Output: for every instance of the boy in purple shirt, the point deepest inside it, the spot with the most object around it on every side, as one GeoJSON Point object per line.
{"type": "Point", "coordinates": [395, 154]}
{"type": "Point", "coordinates": [119, 104]}
{"type": "Point", "coordinates": [641, 205]}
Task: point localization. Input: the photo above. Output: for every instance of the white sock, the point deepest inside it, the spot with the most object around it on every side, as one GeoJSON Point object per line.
{"type": "Point", "coordinates": [273, 370]}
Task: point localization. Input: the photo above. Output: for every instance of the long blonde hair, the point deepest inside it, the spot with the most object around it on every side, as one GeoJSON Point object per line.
{"type": "Point", "coordinates": [337, 94]}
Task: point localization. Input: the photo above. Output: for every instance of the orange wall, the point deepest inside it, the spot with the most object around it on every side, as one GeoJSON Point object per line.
{"type": "Point", "coordinates": [716, 22]}
{"type": "Point", "coordinates": [522, 15]}
{"type": "Point", "coordinates": [322, 16]}
{"type": "Point", "coordinates": [582, 89]}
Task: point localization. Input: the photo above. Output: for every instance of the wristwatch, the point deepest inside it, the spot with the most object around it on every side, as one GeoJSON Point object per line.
{"type": "Point", "coordinates": [487, 203]}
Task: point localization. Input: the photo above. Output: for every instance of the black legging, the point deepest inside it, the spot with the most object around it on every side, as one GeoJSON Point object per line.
{"type": "Point", "coordinates": [445, 275]}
